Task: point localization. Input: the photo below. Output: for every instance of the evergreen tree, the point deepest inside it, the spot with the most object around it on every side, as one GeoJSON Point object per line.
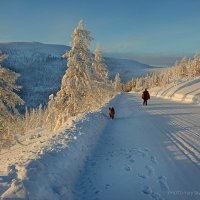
{"type": "Point", "coordinates": [175, 72]}
{"type": "Point", "coordinates": [139, 83]}
{"type": "Point", "coordinates": [2, 56]}
{"type": "Point", "coordinates": [76, 81]}
{"type": "Point", "coordinates": [117, 83]}
{"type": "Point", "coordinates": [8, 98]}
{"type": "Point", "coordinates": [147, 81]}
{"type": "Point", "coordinates": [84, 85]}
{"type": "Point", "coordinates": [191, 70]}
{"type": "Point", "coordinates": [100, 66]}
{"type": "Point", "coordinates": [183, 72]}
{"type": "Point", "coordinates": [196, 63]}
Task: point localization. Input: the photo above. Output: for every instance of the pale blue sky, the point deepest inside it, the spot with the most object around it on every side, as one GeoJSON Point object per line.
{"type": "Point", "coordinates": [124, 27]}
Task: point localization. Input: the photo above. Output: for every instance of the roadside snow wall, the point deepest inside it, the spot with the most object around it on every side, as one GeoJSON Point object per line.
{"type": "Point", "coordinates": [187, 91]}
{"type": "Point", "coordinates": [52, 176]}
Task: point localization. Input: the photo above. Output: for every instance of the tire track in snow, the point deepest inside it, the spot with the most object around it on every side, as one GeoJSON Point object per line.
{"type": "Point", "coordinates": [187, 137]}
{"type": "Point", "coordinates": [136, 162]}
{"type": "Point", "coordinates": [142, 166]}
{"type": "Point", "coordinates": [186, 148]}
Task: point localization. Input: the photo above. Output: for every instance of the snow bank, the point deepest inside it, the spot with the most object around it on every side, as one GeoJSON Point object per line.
{"type": "Point", "coordinates": [186, 91]}
{"type": "Point", "coordinates": [51, 174]}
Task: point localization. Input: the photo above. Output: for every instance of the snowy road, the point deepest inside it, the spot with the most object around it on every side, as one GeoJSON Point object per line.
{"type": "Point", "coordinates": [148, 152]}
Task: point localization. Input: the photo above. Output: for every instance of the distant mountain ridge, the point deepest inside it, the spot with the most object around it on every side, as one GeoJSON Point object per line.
{"type": "Point", "coordinates": [41, 67]}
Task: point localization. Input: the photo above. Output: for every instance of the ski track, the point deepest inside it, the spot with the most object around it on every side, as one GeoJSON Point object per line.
{"type": "Point", "coordinates": [146, 152]}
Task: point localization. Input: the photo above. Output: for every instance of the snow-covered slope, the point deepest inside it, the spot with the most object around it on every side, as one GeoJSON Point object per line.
{"type": "Point", "coordinates": [44, 165]}
{"type": "Point", "coordinates": [42, 67]}
{"type": "Point", "coordinates": [126, 68]}
{"type": "Point", "coordinates": [146, 152]}
{"type": "Point", "coordinates": [184, 91]}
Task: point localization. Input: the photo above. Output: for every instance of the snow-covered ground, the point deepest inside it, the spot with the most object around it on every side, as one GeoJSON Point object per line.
{"type": "Point", "coordinates": [185, 91]}
{"type": "Point", "coordinates": [148, 152]}
{"type": "Point", "coordinates": [44, 164]}
{"type": "Point", "coordinates": [42, 67]}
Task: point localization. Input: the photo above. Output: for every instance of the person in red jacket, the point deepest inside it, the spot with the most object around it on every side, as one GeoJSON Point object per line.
{"type": "Point", "coordinates": [145, 97]}
{"type": "Point", "coordinates": [111, 112]}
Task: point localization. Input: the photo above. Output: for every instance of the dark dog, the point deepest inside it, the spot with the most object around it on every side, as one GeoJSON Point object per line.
{"type": "Point", "coordinates": [111, 112]}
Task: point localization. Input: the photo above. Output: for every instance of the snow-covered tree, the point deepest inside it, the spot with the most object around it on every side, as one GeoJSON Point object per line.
{"type": "Point", "coordinates": [8, 98]}
{"type": "Point", "coordinates": [175, 72]}
{"type": "Point", "coordinates": [35, 118]}
{"type": "Point", "coordinates": [183, 68]}
{"type": "Point", "coordinates": [196, 64]}
{"type": "Point", "coordinates": [164, 77]}
{"type": "Point", "coordinates": [127, 87]}
{"type": "Point", "coordinates": [117, 83]}
{"type": "Point", "coordinates": [100, 66]}
{"type": "Point", "coordinates": [139, 83]}
{"type": "Point", "coordinates": [76, 81]}
{"type": "Point", "coordinates": [193, 70]}
{"type": "Point", "coordinates": [84, 85]}
{"type": "Point", "coordinates": [147, 82]}
{"type": "Point", "coordinates": [2, 56]}
{"type": "Point", "coordinates": [186, 69]}
{"type": "Point", "coordinates": [154, 81]}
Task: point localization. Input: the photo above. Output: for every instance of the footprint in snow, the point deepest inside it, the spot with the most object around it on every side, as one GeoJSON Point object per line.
{"type": "Point", "coordinates": [132, 160]}
{"type": "Point", "coordinates": [141, 175]}
{"type": "Point", "coordinates": [128, 156]}
{"type": "Point", "coordinates": [163, 183]}
{"type": "Point", "coordinates": [127, 168]}
{"type": "Point", "coordinates": [154, 160]}
{"type": "Point", "coordinates": [147, 190]}
{"type": "Point", "coordinates": [96, 192]}
{"type": "Point", "coordinates": [107, 186]}
{"type": "Point", "coordinates": [143, 153]}
{"type": "Point", "coordinates": [150, 170]}
{"type": "Point", "coordinates": [132, 151]}
{"type": "Point", "coordinates": [156, 196]}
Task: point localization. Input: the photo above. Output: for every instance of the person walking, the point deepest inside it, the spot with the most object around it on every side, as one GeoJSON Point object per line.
{"type": "Point", "coordinates": [111, 112]}
{"type": "Point", "coordinates": [145, 97]}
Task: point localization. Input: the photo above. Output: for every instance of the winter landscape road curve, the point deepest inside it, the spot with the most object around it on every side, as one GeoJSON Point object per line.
{"type": "Point", "coordinates": [148, 152]}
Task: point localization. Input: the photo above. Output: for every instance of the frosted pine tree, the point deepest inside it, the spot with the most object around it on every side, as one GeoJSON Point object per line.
{"type": "Point", "coordinates": [196, 63]}
{"type": "Point", "coordinates": [155, 80]}
{"type": "Point", "coordinates": [147, 82]}
{"type": "Point", "coordinates": [102, 87]}
{"type": "Point", "coordinates": [191, 70]}
{"type": "Point", "coordinates": [138, 83]}
{"type": "Point", "coordinates": [117, 83]}
{"type": "Point", "coordinates": [100, 66]}
{"type": "Point", "coordinates": [175, 72]}
{"type": "Point", "coordinates": [194, 67]}
{"type": "Point", "coordinates": [182, 70]}
{"type": "Point", "coordinates": [8, 99]}
{"type": "Point", "coordinates": [2, 56]}
{"type": "Point", "coordinates": [76, 81]}
{"type": "Point", "coordinates": [80, 90]}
